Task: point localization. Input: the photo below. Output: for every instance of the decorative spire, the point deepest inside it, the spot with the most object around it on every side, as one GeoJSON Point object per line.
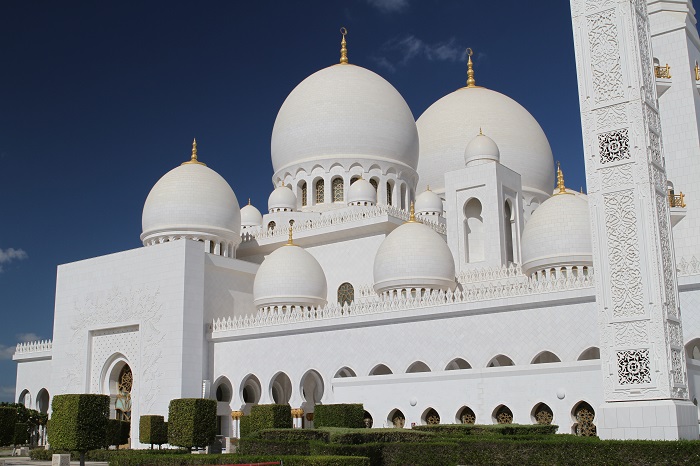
{"type": "Point", "coordinates": [560, 180]}
{"type": "Point", "coordinates": [412, 213]}
{"type": "Point", "coordinates": [343, 47]}
{"type": "Point", "coordinates": [471, 82]}
{"type": "Point", "coordinates": [194, 155]}
{"type": "Point", "coordinates": [481, 133]}
{"type": "Point", "coordinates": [427, 188]}
{"type": "Point", "coordinates": [290, 241]}
{"type": "Point", "coordinates": [248, 201]}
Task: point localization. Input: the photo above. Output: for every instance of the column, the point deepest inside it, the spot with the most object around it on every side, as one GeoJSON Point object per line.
{"type": "Point", "coordinates": [643, 363]}
{"type": "Point", "coordinates": [297, 414]}
{"type": "Point", "coordinates": [236, 421]}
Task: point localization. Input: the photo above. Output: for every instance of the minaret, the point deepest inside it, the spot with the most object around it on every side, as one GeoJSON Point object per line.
{"type": "Point", "coordinates": [643, 364]}
{"type": "Point", "coordinates": [675, 42]}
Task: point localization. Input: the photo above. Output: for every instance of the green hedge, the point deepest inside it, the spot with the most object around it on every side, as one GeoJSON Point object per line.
{"type": "Point", "coordinates": [360, 436]}
{"type": "Point", "coordinates": [488, 429]}
{"type": "Point", "coordinates": [99, 455]}
{"type": "Point", "coordinates": [293, 435]}
{"type": "Point", "coordinates": [266, 417]}
{"type": "Point", "coordinates": [186, 460]}
{"type": "Point", "coordinates": [191, 422]}
{"type": "Point", "coordinates": [339, 415]}
{"type": "Point", "coordinates": [79, 422]}
{"type": "Point", "coordinates": [256, 446]}
{"type": "Point", "coordinates": [21, 434]}
{"type": "Point", "coordinates": [117, 432]}
{"type": "Point", "coordinates": [8, 419]}
{"type": "Point", "coordinates": [153, 430]}
{"type": "Point", "coordinates": [373, 451]}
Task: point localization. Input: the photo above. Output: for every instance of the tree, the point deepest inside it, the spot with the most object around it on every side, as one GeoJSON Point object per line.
{"type": "Point", "coordinates": [191, 422]}
{"type": "Point", "coordinates": [79, 422]}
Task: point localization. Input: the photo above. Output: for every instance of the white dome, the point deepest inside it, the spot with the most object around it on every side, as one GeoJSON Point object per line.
{"type": "Point", "coordinates": [413, 256]}
{"type": "Point", "coordinates": [481, 148]}
{"type": "Point", "coordinates": [290, 276]}
{"type": "Point", "coordinates": [282, 199]}
{"type": "Point", "coordinates": [558, 234]}
{"type": "Point", "coordinates": [448, 125]}
{"type": "Point", "coordinates": [428, 202]}
{"type": "Point", "coordinates": [191, 200]}
{"type": "Point", "coordinates": [250, 216]}
{"type": "Point", "coordinates": [344, 112]}
{"type": "Point", "coordinates": [361, 192]}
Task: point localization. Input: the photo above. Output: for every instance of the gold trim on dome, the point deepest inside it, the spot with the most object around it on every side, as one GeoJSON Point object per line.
{"type": "Point", "coordinates": [412, 214]}
{"type": "Point", "coordinates": [471, 82]}
{"type": "Point", "coordinates": [343, 47]}
{"type": "Point", "coordinates": [194, 155]}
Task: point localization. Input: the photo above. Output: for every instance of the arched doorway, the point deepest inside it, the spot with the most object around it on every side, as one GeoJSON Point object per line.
{"type": "Point", "coordinates": [122, 404]}
{"type": "Point", "coordinates": [312, 392]}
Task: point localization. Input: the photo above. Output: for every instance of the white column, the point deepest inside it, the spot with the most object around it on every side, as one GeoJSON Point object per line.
{"type": "Point", "coordinates": [642, 358]}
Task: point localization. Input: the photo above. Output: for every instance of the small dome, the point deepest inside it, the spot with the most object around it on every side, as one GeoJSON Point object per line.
{"type": "Point", "coordinates": [448, 125]}
{"type": "Point", "coordinates": [290, 276]}
{"type": "Point", "coordinates": [558, 234]}
{"type": "Point", "coordinates": [428, 203]}
{"type": "Point", "coordinates": [250, 216]}
{"type": "Point", "coordinates": [191, 200]}
{"type": "Point", "coordinates": [282, 199]}
{"type": "Point", "coordinates": [413, 256]}
{"type": "Point", "coordinates": [362, 192]}
{"type": "Point", "coordinates": [344, 112]}
{"type": "Point", "coordinates": [481, 148]}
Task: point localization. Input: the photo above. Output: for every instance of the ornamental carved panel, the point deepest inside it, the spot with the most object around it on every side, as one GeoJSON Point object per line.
{"type": "Point", "coordinates": [645, 55]}
{"type": "Point", "coordinates": [605, 54]}
{"type": "Point", "coordinates": [614, 146]}
{"type": "Point", "coordinates": [612, 116]}
{"type": "Point", "coordinates": [623, 251]}
{"type": "Point", "coordinates": [677, 364]}
{"type": "Point", "coordinates": [666, 258]}
{"type": "Point", "coordinates": [631, 333]}
{"type": "Point", "coordinates": [617, 176]}
{"type": "Point", "coordinates": [633, 367]}
{"type": "Point", "coordinates": [675, 334]}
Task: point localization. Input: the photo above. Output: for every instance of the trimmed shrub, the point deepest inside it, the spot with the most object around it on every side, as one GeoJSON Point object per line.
{"type": "Point", "coordinates": [191, 422]}
{"type": "Point", "coordinates": [117, 432]}
{"type": "Point", "coordinates": [293, 435]}
{"type": "Point", "coordinates": [153, 429]}
{"type": "Point", "coordinates": [8, 419]}
{"type": "Point", "coordinates": [360, 436]}
{"type": "Point", "coordinates": [488, 429]}
{"type": "Point", "coordinates": [79, 422]}
{"type": "Point", "coordinates": [268, 417]}
{"type": "Point", "coordinates": [21, 434]}
{"type": "Point", "coordinates": [185, 460]}
{"type": "Point", "coordinates": [256, 446]}
{"type": "Point", "coordinates": [340, 415]}
{"type": "Point", "coordinates": [373, 451]}
{"type": "Point", "coordinates": [245, 426]}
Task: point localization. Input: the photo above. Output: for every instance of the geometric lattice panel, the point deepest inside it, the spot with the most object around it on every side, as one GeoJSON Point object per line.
{"type": "Point", "coordinates": [104, 343]}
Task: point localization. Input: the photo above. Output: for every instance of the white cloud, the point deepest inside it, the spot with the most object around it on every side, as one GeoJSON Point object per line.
{"type": "Point", "coordinates": [6, 352]}
{"type": "Point", "coordinates": [25, 337]}
{"type": "Point", "coordinates": [11, 254]}
{"type": "Point", "coordinates": [389, 6]}
{"type": "Point", "coordinates": [401, 50]}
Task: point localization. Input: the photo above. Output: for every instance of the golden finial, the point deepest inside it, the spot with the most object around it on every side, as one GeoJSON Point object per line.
{"type": "Point", "coordinates": [427, 188]}
{"type": "Point", "coordinates": [560, 180]}
{"type": "Point", "coordinates": [194, 155]}
{"type": "Point", "coordinates": [343, 47]}
{"type": "Point", "coordinates": [248, 201]}
{"type": "Point", "coordinates": [412, 213]}
{"type": "Point", "coordinates": [290, 241]}
{"type": "Point", "coordinates": [471, 82]}
{"type": "Point", "coordinates": [481, 133]}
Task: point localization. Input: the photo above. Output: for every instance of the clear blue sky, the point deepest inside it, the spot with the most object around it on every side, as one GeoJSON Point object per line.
{"type": "Point", "coordinates": [100, 99]}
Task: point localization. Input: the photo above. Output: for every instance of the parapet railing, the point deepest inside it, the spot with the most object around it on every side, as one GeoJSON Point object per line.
{"type": "Point", "coordinates": [336, 218]}
{"type": "Point", "coordinates": [33, 347]}
{"type": "Point", "coordinates": [404, 300]}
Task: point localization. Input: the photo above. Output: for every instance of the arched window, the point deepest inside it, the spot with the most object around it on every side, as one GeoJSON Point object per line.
{"type": "Point", "coordinates": [508, 230]}
{"type": "Point", "coordinates": [271, 225]}
{"type": "Point", "coordinates": [123, 402]}
{"type": "Point", "coordinates": [418, 366]}
{"type": "Point", "coordinates": [542, 414]}
{"type": "Point", "coordinates": [320, 186]}
{"type": "Point", "coordinates": [389, 193]}
{"type": "Point", "coordinates": [500, 361]}
{"type": "Point", "coordinates": [337, 190]}
{"type": "Point", "coordinates": [403, 196]}
{"type": "Point", "coordinates": [397, 419]}
{"type": "Point", "coordinates": [466, 416]}
{"type": "Point", "coordinates": [590, 353]}
{"type": "Point", "coordinates": [304, 192]}
{"type": "Point", "coordinates": [353, 179]}
{"type": "Point", "coordinates": [545, 357]}
{"type": "Point", "coordinates": [375, 183]}
{"type": "Point", "coordinates": [503, 415]}
{"type": "Point", "coordinates": [431, 417]}
{"type": "Point", "coordinates": [584, 415]}
{"type": "Point", "coordinates": [473, 231]}
{"type": "Point", "coordinates": [346, 294]}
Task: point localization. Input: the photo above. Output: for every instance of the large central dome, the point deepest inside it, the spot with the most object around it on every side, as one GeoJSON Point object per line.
{"type": "Point", "coordinates": [344, 112]}
{"type": "Point", "coordinates": [448, 125]}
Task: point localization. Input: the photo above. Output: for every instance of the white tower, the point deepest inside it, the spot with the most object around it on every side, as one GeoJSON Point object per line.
{"type": "Point", "coordinates": [643, 363]}
{"type": "Point", "coordinates": [484, 209]}
{"type": "Point", "coordinates": [676, 46]}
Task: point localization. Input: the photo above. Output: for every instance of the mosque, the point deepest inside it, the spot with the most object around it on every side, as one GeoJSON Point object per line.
{"type": "Point", "coordinates": [437, 270]}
